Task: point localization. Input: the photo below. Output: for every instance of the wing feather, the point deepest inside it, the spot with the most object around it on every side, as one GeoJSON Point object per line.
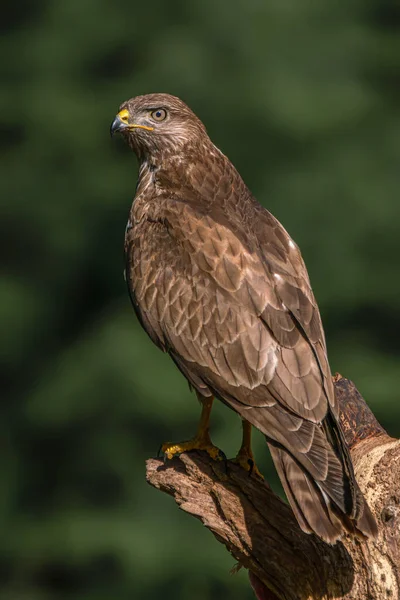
{"type": "Point", "coordinates": [217, 282]}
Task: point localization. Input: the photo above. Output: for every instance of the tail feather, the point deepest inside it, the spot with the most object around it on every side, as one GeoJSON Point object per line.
{"type": "Point", "coordinates": [305, 498]}
{"type": "Point", "coordinates": [312, 505]}
{"type": "Point", "coordinates": [366, 522]}
{"type": "Point", "coordinates": [363, 521]}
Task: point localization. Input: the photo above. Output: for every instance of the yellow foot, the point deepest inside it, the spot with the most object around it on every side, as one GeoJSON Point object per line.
{"type": "Point", "coordinates": [247, 462]}
{"type": "Point", "coordinates": [170, 450]}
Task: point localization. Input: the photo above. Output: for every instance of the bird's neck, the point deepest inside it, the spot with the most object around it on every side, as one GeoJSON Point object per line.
{"type": "Point", "coordinates": [198, 170]}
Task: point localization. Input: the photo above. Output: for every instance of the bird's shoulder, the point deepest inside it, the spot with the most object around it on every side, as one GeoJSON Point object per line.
{"type": "Point", "coordinates": [255, 263]}
{"type": "Point", "coordinates": [242, 257]}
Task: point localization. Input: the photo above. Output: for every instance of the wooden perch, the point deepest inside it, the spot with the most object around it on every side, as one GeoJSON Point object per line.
{"type": "Point", "coordinates": [260, 531]}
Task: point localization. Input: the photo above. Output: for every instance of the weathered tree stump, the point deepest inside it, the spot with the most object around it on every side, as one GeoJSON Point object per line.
{"type": "Point", "coordinates": [260, 531]}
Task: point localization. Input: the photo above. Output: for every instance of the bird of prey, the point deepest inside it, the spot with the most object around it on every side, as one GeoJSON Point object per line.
{"type": "Point", "coordinates": [219, 285]}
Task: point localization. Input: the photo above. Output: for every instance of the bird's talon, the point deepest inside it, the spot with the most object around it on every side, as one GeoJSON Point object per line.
{"type": "Point", "coordinates": [248, 464]}
{"type": "Point", "coordinates": [170, 450]}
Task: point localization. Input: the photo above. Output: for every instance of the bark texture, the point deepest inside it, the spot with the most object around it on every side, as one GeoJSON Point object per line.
{"type": "Point", "coordinates": [260, 531]}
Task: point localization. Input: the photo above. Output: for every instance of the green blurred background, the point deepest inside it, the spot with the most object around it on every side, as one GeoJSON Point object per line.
{"type": "Point", "coordinates": [303, 96]}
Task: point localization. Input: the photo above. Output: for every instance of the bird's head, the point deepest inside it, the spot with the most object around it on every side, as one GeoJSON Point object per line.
{"type": "Point", "coordinates": [158, 125]}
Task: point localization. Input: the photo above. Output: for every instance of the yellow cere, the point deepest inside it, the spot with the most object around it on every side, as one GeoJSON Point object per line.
{"type": "Point", "coordinates": [124, 116]}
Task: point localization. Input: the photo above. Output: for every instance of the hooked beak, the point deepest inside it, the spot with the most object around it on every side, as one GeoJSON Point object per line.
{"type": "Point", "coordinates": [121, 123]}
{"type": "Point", "coordinates": [117, 125]}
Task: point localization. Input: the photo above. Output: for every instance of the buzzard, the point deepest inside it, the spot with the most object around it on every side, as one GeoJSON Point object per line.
{"type": "Point", "coordinates": [219, 285]}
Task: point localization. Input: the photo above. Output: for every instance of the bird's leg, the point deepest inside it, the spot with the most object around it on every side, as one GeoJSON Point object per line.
{"type": "Point", "coordinates": [245, 456]}
{"type": "Point", "coordinates": [201, 440]}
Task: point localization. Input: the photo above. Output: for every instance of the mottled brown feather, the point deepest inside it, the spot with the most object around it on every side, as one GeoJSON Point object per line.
{"type": "Point", "coordinates": [218, 283]}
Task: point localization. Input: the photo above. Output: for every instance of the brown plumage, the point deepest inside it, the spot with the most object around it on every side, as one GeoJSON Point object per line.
{"type": "Point", "coordinates": [217, 282]}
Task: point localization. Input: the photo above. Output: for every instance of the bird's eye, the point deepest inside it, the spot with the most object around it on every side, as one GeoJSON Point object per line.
{"type": "Point", "coordinates": [158, 115]}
